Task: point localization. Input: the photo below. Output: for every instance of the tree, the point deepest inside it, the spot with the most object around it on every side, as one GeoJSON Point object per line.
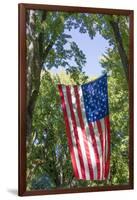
{"type": "Point", "coordinates": [119, 109]}
{"type": "Point", "coordinates": [115, 62]}
{"type": "Point", "coordinates": [46, 44]}
{"type": "Point", "coordinates": [112, 27]}
{"type": "Point", "coordinates": [47, 153]}
{"type": "Point", "coordinates": [45, 49]}
{"type": "Point", "coordinates": [48, 159]}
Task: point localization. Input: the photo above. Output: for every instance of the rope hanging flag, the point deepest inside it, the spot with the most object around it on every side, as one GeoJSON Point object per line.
{"type": "Point", "coordinates": [86, 115]}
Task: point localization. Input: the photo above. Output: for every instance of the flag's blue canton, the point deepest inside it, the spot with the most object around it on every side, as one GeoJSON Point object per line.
{"type": "Point", "coordinates": [95, 96]}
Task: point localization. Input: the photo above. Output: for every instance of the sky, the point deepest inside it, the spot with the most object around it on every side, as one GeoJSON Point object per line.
{"type": "Point", "coordinates": [92, 48]}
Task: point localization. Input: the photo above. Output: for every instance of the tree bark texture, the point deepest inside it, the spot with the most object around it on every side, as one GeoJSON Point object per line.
{"type": "Point", "coordinates": [36, 54]}
{"type": "Point", "coordinates": [121, 50]}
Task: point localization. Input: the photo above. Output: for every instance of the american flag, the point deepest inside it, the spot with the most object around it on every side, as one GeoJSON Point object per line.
{"type": "Point", "coordinates": [86, 116]}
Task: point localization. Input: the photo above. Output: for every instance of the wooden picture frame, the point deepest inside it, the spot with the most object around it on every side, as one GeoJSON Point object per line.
{"type": "Point", "coordinates": [22, 99]}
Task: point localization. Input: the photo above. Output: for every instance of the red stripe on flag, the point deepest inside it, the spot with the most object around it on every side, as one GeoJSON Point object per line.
{"type": "Point", "coordinates": [68, 133]}
{"type": "Point", "coordinates": [106, 146]}
{"type": "Point", "coordinates": [94, 143]}
{"type": "Point", "coordinates": [76, 132]}
{"type": "Point", "coordinates": [102, 146]}
{"type": "Point", "coordinates": [107, 166]}
{"type": "Point", "coordinates": [83, 132]}
{"type": "Point", "coordinates": [104, 142]}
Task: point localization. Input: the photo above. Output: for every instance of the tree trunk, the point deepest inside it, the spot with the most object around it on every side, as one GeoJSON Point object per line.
{"type": "Point", "coordinates": [36, 54]}
{"type": "Point", "coordinates": [121, 50]}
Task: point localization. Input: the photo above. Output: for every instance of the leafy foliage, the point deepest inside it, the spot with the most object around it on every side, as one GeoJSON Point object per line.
{"type": "Point", "coordinates": [48, 157]}
{"type": "Point", "coordinates": [49, 152]}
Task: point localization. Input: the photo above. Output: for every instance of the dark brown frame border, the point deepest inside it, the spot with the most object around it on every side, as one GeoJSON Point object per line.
{"type": "Point", "coordinates": [22, 100]}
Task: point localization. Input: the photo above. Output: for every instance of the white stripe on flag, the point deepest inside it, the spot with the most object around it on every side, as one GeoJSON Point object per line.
{"type": "Point", "coordinates": [103, 161]}
{"type": "Point", "coordinates": [99, 148]}
{"type": "Point", "coordinates": [72, 132]}
{"type": "Point", "coordinates": [106, 147]}
{"type": "Point", "coordinates": [89, 140]}
{"type": "Point", "coordinates": [80, 136]}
